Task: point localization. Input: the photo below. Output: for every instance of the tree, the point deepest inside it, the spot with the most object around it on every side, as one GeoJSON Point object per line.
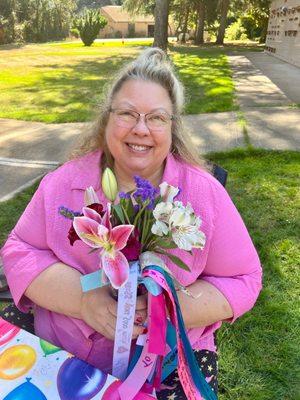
{"type": "Point", "coordinates": [161, 16]}
{"type": "Point", "coordinates": [223, 17]}
{"type": "Point", "coordinates": [89, 25]}
{"type": "Point", "coordinates": [199, 34]}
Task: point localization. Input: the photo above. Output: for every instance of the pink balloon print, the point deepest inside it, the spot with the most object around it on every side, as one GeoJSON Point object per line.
{"type": "Point", "coordinates": [7, 331]}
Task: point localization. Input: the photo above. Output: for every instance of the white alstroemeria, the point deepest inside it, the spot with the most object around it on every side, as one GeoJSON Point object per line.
{"type": "Point", "coordinates": [188, 237]}
{"type": "Point", "coordinates": [90, 196]}
{"type": "Point", "coordinates": [185, 227]}
{"type": "Point", "coordinates": [159, 228]}
{"type": "Point", "coordinates": [162, 211]}
{"type": "Point", "coordinates": [168, 192]}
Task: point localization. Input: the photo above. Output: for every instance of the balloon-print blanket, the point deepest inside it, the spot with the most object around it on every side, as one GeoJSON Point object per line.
{"type": "Point", "coordinates": [31, 368]}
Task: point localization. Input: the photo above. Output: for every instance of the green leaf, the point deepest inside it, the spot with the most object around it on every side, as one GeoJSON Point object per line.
{"type": "Point", "coordinates": [163, 242]}
{"type": "Point", "coordinates": [119, 212]}
{"type": "Point", "coordinates": [176, 260]}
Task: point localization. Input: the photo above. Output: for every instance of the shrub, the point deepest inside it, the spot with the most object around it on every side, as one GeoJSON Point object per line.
{"type": "Point", "coordinates": [75, 32]}
{"type": "Point", "coordinates": [236, 31]}
{"type": "Point", "coordinates": [89, 25]}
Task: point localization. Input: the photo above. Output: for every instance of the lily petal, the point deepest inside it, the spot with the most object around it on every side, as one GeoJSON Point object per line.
{"type": "Point", "coordinates": [116, 268]}
{"type": "Point", "coordinates": [120, 234]}
{"type": "Point", "coordinates": [90, 213]}
{"type": "Point", "coordinates": [106, 217]}
{"type": "Point", "coordinates": [86, 226]}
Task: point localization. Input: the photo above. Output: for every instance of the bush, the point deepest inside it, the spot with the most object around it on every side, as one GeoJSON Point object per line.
{"type": "Point", "coordinates": [236, 31]}
{"type": "Point", "coordinates": [75, 32]}
{"type": "Point", "coordinates": [89, 25]}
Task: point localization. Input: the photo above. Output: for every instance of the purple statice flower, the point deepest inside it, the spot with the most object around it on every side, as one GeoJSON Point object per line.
{"type": "Point", "coordinates": [68, 213]}
{"type": "Point", "coordinates": [124, 195]}
{"type": "Point", "coordinates": [145, 191]}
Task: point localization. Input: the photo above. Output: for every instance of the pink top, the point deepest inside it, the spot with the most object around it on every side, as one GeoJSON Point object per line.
{"type": "Point", "coordinates": [228, 261]}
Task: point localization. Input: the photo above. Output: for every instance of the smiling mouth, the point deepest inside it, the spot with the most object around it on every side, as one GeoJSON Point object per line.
{"type": "Point", "coordinates": [138, 147]}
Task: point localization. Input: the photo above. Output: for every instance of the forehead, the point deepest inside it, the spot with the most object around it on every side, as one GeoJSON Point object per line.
{"type": "Point", "coordinates": [143, 95]}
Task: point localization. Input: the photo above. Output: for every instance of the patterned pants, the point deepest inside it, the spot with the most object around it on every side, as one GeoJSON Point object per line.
{"type": "Point", "coordinates": [207, 361]}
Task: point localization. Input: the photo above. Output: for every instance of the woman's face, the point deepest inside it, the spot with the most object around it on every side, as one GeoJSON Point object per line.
{"type": "Point", "coordinates": [139, 150]}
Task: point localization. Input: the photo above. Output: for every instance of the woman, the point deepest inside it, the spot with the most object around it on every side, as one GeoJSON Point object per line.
{"type": "Point", "coordinates": [139, 133]}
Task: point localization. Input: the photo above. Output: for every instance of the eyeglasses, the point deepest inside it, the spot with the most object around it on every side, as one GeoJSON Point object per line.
{"type": "Point", "coordinates": [156, 121]}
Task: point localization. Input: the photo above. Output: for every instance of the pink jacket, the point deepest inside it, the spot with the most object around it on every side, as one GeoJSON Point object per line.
{"type": "Point", "coordinates": [228, 261]}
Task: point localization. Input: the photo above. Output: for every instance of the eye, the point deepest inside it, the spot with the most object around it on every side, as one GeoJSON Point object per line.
{"type": "Point", "coordinates": [126, 114]}
{"type": "Point", "coordinates": [161, 118]}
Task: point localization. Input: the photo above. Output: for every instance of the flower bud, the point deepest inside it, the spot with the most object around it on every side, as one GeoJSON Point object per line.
{"type": "Point", "coordinates": [109, 184]}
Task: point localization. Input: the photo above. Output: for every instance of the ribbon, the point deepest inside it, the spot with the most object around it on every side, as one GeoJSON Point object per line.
{"type": "Point", "coordinates": [192, 379]}
{"type": "Point", "coordinates": [125, 321]}
{"type": "Point", "coordinates": [134, 382]}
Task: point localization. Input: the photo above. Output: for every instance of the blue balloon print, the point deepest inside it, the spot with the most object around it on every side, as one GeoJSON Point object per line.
{"type": "Point", "coordinates": [26, 391]}
{"type": "Point", "coordinates": [77, 380]}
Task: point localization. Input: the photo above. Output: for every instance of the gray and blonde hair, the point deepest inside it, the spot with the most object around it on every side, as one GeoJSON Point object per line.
{"type": "Point", "coordinates": [151, 65]}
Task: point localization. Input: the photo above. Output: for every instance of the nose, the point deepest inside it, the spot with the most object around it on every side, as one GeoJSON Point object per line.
{"type": "Point", "coordinates": [141, 127]}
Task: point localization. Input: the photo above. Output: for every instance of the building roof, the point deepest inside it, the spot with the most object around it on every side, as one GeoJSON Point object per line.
{"type": "Point", "coordinates": [118, 14]}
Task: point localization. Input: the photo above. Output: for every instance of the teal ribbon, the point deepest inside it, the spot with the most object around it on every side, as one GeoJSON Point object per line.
{"type": "Point", "coordinates": [198, 378]}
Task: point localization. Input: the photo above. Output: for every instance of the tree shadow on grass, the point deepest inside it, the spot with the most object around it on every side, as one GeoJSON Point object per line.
{"type": "Point", "coordinates": [72, 92]}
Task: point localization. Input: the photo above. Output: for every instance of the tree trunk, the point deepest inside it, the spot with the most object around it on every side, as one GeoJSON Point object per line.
{"type": "Point", "coordinates": [199, 39]}
{"type": "Point", "coordinates": [161, 15]}
{"type": "Point", "coordinates": [222, 27]}
{"type": "Point", "coordinates": [185, 24]}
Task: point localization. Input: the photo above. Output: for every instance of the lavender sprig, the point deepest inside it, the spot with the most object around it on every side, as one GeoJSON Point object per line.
{"type": "Point", "coordinates": [68, 213]}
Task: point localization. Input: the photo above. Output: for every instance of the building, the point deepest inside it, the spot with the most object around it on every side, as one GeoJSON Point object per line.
{"type": "Point", "coordinates": [122, 24]}
{"type": "Point", "coordinates": [283, 36]}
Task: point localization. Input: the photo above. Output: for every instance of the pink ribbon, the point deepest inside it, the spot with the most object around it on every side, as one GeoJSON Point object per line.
{"type": "Point", "coordinates": [134, 382]}
{"type": "Point", "coordinates": [183, 369]}
{"type": "Point", "coordinates": [157, 324]}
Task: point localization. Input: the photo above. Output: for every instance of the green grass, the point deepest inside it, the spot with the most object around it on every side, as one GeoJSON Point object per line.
{"type": "Point", "coordinates": [259, 354]}
{"type": "Point", "coordinates": [63, 81]}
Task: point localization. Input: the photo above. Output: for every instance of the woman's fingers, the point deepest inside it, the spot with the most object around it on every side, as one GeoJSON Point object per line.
{"type": "Point", "coordinates": [141, 302]}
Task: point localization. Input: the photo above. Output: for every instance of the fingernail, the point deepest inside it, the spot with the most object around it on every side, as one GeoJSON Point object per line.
{"type": "Point", "coordinates": [138, 320]}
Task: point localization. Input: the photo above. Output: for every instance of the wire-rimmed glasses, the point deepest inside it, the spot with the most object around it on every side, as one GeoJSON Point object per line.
{"type": "Point", "coordinates": [155, 121]}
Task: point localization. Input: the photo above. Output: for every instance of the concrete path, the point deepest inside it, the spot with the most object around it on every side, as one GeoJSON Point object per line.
{"type": "Point", "coordinates": [267, 89]}
{"type": "Point", "coordinates": [253, 88]}
{"type": "Point", "coordinates": [281, 73]}
{"type": "Point", "coordinates": [29, 149]}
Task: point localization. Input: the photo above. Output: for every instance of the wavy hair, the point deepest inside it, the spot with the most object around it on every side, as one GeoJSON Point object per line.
{"type": "Point", "coordinates": [151, 65]}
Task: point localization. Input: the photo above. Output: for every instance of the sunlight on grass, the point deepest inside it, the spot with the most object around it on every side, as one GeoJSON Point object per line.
{"type": "Point", "coordinates": [63, 81]}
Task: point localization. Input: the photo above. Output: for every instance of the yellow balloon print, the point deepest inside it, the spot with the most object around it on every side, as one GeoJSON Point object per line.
{"type": "Point", "coordinates": [16, 361]}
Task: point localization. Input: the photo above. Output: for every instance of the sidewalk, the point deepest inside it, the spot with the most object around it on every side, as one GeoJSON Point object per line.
{"type": "Point", "coordinates": [30, 149]}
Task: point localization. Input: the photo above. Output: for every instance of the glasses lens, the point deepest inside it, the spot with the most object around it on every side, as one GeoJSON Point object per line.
{"type": "Point", "coordinates": [126, 118]}
{"type": "Point", "coordinates": [157, 120]}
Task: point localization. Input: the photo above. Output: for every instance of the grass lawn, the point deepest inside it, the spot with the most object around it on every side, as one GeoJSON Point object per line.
{"type": "Point", "coordinates": [63, 81]}
{"type": "Point", "coordinates": [259, 354]}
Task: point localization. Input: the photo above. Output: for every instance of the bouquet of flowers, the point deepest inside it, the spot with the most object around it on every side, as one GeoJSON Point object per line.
{"type": "Point", "coordinates": [131, 234]}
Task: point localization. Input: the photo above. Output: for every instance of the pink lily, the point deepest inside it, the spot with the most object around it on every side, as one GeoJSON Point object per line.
{"type": "Point", "coordinates": [97, 232]}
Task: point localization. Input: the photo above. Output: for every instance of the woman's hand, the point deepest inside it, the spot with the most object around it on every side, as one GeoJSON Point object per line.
{"type": "Point", "coordinates": [99, 310]}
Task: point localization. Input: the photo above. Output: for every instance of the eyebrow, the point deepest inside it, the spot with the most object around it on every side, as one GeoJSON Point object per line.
{"type": "Point", "coordinates": [131, 106]}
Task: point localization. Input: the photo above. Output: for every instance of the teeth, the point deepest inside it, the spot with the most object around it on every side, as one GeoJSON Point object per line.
{"type": "Point", "coordinates": [138, 148]}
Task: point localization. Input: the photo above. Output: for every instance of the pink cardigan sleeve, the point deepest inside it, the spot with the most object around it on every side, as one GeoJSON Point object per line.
{"type": "Point", "coordinates": [233, 265]}
{"type": "Point", "coordinates": [26, 253]}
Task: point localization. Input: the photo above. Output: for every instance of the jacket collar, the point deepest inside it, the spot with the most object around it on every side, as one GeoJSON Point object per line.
{"type": "Point", "coordinates": [87, 171]}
